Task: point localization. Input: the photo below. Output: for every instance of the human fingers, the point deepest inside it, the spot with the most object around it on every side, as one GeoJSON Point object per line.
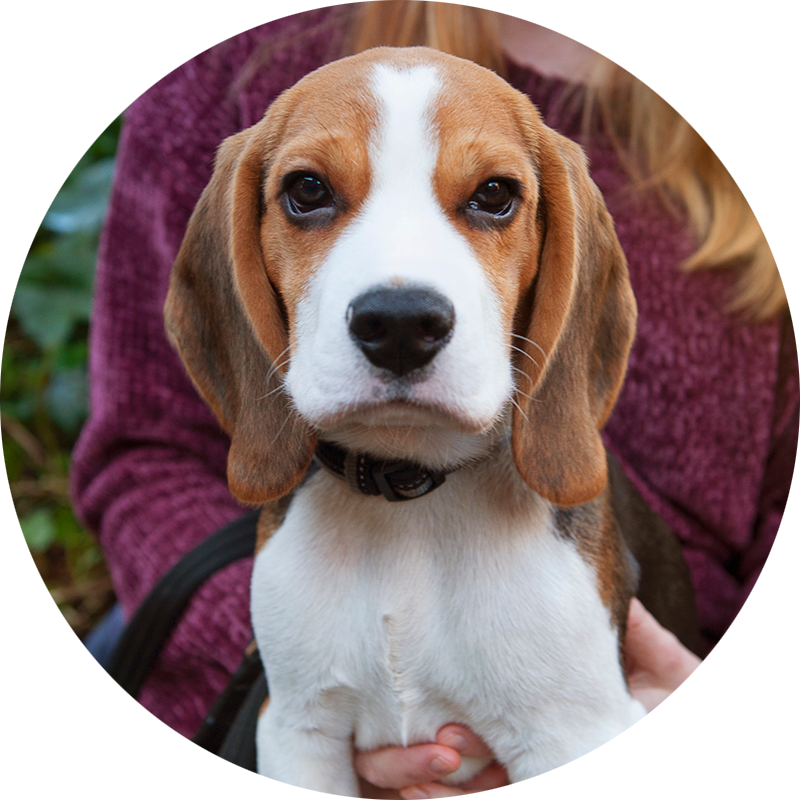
{"type": "Point", "coordinates": [468, 745]}
{"type": "Point", "coordinates": [657, 662]}
{"type": "Point", "coordinates": [650, 647]}
{"type": "Point", "coordinates": [399, 767]}
{"type": "Point", "coordinates": [463, 741]}
{"type": "Point", "coordinates": [493, 777]}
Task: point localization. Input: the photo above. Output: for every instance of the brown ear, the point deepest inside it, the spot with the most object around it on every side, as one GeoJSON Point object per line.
{"type": "Point", "coordinates": [224, 318]}
{"type": "Point", "coordinates": [579, 324]}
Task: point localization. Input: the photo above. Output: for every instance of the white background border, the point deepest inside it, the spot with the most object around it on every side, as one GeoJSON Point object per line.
{"type": "Point", "coordinates": [70, 68]}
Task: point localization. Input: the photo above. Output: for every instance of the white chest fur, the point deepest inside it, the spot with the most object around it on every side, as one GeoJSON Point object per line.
{"type": "Point", "coordinates": [378, 623]}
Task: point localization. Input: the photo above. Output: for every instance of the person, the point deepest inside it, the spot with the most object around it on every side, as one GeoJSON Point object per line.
{"type": "Point", "coordinates": [705, 426]}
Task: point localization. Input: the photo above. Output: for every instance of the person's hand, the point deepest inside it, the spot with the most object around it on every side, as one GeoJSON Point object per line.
{"type": "Point", "coordinates": [656, 661]}
{"type": "Point", "coordinates": [414, 772]}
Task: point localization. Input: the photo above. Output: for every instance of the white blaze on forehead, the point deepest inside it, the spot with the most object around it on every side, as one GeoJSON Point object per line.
{"type": "Point", "coordinates": [404, 149]}
{"type": "Point", "coordinates": [409, 238]}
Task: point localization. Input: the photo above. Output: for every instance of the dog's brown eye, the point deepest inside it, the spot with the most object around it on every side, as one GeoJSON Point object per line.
{"type": "Point", "coordinates": [306, 193]}
{"type": "Point", "coordinates": [495, 196]}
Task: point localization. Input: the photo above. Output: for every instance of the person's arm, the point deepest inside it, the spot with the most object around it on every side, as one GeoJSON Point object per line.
{"type": "Point", "coordinates": [779, 466]}
{"type": "Point", "coordinates": [148, 474]}
{"type": "Point", "coordinates": [657, 664]}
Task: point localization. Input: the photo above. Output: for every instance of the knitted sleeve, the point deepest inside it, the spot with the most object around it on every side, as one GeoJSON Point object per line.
{"type": "Point", "coordinates": [779, 467]}
{"type": "Point", "coordinates": [148, 474]}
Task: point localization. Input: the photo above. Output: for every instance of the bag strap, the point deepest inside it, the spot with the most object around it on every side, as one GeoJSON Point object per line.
{"type": "Point", "coordinates": [232, 735]}
{"type": "Point", "coordinates": [158, 615]}
{"type": "Point", "coordinates": [221, 731]}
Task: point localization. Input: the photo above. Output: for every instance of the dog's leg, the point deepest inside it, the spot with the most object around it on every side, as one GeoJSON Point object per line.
{"type": "Point", "coordinates": [304, 756]}
{"type": "Point", "coordinates": [554, 744]}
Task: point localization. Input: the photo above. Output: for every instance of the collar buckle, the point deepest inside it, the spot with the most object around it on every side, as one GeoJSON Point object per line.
{"type": "Point", "coordinates": [396, 481]}
{"type": "Point", "coordinates": [424, 482]}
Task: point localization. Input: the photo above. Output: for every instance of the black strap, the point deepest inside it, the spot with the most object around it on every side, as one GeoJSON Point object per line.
{"type": "Point", "coordinates": [229, 728]}
{"type": "Point", "coordinates": [239, 744]}
{"type": "Point", "coordinates": [158, 615]}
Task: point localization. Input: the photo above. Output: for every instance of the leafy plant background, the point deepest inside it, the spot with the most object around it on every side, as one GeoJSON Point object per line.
{"type": "Point", "coordinates": [43, 388]}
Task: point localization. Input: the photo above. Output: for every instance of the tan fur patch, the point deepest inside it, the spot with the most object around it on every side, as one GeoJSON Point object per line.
{"type": "Point", "coordinates": [592, 527]}
{"type": "Point", "coordinates": [475, 147]}
{"type": "Point", "coordinates": [270, 519]}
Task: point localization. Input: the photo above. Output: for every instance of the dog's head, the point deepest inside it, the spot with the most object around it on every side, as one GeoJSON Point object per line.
{"type": "Point", "coordinates": [398, 253]}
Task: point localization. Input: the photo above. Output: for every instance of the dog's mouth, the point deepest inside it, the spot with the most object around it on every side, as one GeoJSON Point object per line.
{"type": "Point", "coordinates": [399, 429]}
{"type": "Point", "coordinates": [402, 415]}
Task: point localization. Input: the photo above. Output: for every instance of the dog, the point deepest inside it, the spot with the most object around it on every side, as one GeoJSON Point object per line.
{"type": "Point", "coordinates": [403, 275]}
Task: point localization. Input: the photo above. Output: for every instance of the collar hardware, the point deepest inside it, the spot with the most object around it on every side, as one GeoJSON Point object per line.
{"type": "Point", "coordinates": [395, 480]}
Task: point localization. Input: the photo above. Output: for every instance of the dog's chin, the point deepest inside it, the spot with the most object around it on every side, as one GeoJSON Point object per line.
{"type": "Point", "coordinates": [396, 430]}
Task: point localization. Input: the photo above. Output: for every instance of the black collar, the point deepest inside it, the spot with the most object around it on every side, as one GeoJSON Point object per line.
{"type": "Point", "coordinates": [364, 474]}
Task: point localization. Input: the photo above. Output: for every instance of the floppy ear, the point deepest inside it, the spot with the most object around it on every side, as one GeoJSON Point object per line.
{"type": "Point", "coordinates": [579, 322]}
{"type": "Point", "coordinates": [226, 321]}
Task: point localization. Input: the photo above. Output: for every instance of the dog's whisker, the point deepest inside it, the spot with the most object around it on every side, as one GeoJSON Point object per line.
{"type": "Point", "coordinates": [279, 363]}
{"type": "Point", "coordinates": [530, 341]}
{"type": "Point", "coordinates": [306, 431]}
{"type": "Point", "coordinates": [516, 386]}
{"type": "Point", "coordinates": [529, 379]}
{"type": "Point", "coordinates": [283, 425]}
{"type": "Point", "coordinates": [519, 408]}
{"type": "Point", "coordinates": [272, 374]}
{"type": "Point", "coordinates": [279, 388]}
{"type": "Point", "coordinates": [527, 355]}
{"type": "Point", "coordinates": [521, 372]}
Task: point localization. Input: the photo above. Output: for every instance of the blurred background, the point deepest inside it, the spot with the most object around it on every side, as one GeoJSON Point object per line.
{"type": "Point", "coordinates": [43, 389]}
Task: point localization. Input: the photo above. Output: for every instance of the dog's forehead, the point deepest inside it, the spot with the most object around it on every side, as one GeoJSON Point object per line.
{"type": "Point", "coordinates": [353, 96]}
{"type": "Point", "coordinates": [335, 97]}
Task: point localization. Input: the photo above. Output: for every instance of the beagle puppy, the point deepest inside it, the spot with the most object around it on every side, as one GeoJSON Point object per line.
{"type": "Point", "coordinates": [402, 273]}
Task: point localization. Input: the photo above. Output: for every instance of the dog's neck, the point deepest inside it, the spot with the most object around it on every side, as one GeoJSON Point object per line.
{"type": "Point", "coordinates": [365, 474]}
{"type": "Point", "coordinates": [437, 447]}
{"type": "Point", "coordinates": [404, 473]}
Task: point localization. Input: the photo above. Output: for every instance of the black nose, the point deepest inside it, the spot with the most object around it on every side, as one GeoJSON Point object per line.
{"type": "Point", "coordinates": [401, 329]}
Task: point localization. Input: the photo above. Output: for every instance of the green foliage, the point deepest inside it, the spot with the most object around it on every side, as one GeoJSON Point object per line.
{"type": "Point", "coordinates": [39, 530]}
{"type": "Point", "coordinates": [44, 361]}
{"type": "Point", "coordinates": [43, 393]}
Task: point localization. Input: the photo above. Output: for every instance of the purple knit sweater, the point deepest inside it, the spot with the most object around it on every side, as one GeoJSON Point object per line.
{"type": "Point", "coordinates": [706, 424]}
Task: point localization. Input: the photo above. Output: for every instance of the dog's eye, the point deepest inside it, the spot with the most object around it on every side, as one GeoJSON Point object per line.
{"type": "Point", "coordinates": [495, 197]}
{"type": "Point", "coordinates": [306, 193]}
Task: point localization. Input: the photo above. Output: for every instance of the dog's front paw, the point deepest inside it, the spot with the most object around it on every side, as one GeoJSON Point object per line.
{"type": "Point", "coordinates": [305, 758]}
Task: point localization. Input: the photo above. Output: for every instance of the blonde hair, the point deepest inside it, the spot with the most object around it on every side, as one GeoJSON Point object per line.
{"type": "Point", "coordinates": [656, 145]}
